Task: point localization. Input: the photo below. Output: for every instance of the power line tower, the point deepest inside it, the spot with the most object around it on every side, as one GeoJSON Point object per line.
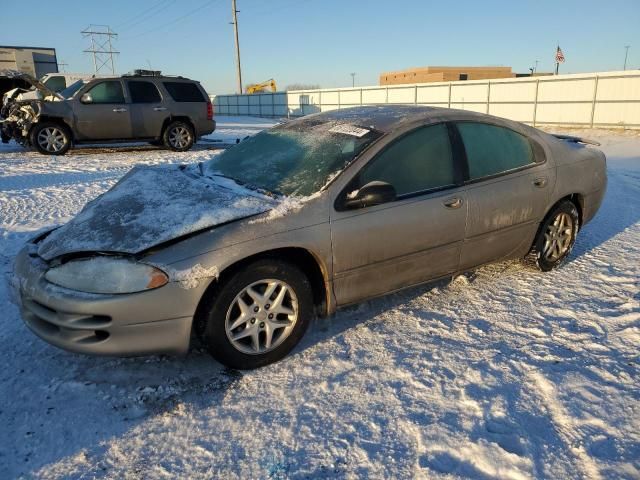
{"type": "Point", "coordinates": [101, 47]}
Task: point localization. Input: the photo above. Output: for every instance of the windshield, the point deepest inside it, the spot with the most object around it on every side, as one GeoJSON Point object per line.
{"type": "Point", "coordinates": [71, 90]}
{"type": "Point", "coordinates": [293, 159]}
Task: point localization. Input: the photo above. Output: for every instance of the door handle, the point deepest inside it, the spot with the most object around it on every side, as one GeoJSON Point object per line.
{"type": "Point", "coordinates": [159, 109]}
{"type": "Point", "coordinates": [454, 202]}
{"type": "Point", "coordinates": [119, 110]}
{"type": "Point", "coordinates": [540, 182]}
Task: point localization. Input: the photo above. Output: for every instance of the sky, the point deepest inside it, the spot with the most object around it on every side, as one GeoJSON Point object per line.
{"type": "Point", "coordinates": [321, 42]}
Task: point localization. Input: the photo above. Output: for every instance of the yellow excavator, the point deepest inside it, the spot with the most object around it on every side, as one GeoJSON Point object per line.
{"type": "Point", "coordinates": [262, 87]}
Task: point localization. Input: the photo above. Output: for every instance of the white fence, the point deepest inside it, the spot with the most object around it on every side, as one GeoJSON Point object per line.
{"type": "Point", "coordinates": [608, 99]}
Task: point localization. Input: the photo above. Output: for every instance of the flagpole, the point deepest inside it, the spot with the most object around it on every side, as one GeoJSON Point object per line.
{"type": "Point", "coordinates": [557, 62]}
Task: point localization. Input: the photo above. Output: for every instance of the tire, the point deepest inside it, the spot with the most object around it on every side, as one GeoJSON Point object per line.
{"type": "Point", "coordinates": [224, 322]}
{"type": "Point", "coordinates": [556, 236]}
{"type": "Point", "coordinates": [51, 138]}
{"type": "Point", "coordinates": [178, 136]}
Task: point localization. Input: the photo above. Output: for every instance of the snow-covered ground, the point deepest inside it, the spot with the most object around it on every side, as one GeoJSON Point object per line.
{"type": "Point", "coordinates": [503, 373]}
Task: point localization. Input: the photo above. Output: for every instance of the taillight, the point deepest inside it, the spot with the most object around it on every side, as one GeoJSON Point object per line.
{"type": "Point", "coordinates": [209, 111]}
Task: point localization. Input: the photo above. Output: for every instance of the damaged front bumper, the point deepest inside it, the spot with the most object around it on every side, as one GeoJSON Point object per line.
{"type": "Point", "coordinates": [17, 120]}
{"type": "Point", "coordinates": [150, 322]}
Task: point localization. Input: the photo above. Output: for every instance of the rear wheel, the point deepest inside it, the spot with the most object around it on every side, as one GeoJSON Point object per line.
{"type": "Point", "coordinates": [259, 315]}
{"type": "Point", "coordinates": [178, 136]}
{"type": "Point", "coordinates": [51, 138]}
{"type": "Point", "coordinates": [556, 236]}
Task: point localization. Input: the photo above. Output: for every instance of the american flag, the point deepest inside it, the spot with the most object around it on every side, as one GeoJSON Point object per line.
{"type": "Point", "coordinates": [559, 55]}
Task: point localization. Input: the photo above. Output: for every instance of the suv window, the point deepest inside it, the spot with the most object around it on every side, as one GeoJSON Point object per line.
{"type": "Point", "coordinates": [421, 160]}
{"type": "Point", "coordinates": [143, 92]}
{"type": "Point", "coordinates": [56, 83]}
{"type": "Point", "coordinates": [491, 149]}
{"type": "Point", "coordinates": [184, 91]}
{"type": "Point", "coordinates": [107, 92]}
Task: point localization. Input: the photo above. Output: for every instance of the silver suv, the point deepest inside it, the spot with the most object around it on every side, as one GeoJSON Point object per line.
{"type": "Point", "coordinates": [144, 106]}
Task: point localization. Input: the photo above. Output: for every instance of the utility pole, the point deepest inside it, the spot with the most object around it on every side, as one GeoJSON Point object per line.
{"type": "Point", "coordinates": [101, 47]}
{"type": "Point", "coordinates": [62, 65]}
{"type": "Point", "coordinates": [535, 69]}
{"type": "Point", "coordinates": [626, 54]}
{"type": "Point", "coordinates": [353, 79]}
{"type": "Point", "coordinates": [234, 13]}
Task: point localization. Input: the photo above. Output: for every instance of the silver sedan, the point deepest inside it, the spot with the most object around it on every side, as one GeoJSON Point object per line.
{"type": "Point", "coordinates": [244, 250]}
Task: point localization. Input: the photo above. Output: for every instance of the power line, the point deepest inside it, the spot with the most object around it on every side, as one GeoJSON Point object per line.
{"type": "Point", "coordinates": [269, 11]}
{"type": "Point", "coordinates": [176, 20]}
{"type": "Point", "coordinates": [141, 14]}
{"type": "Point", "coordinates": [151, 15]}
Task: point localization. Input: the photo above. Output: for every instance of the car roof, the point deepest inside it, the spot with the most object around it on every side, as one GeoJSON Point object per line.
{"type": "Point", "coordinates": [384, 118]}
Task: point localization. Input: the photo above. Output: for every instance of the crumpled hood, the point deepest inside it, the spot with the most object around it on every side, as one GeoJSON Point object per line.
{"type": "Point", "coordinates": [37, 84]}
{"type": "Point", "coordinates": [152, 205]}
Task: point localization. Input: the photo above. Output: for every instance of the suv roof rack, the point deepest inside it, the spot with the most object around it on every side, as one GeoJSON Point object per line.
{"type": "Point", "coordinates": [138, 72]}
{"type": "Point", "coordinates": [143, 73]}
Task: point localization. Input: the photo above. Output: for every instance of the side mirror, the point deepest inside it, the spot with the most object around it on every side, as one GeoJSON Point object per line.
{"type": "Point", "coordinates": [373, 193]}
{"type": "Point", "coordinates": [86, 98]}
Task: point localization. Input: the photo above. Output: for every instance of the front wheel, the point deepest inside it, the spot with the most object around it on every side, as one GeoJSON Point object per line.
{"type": "Point", "coordinates": [556, 236]}
{"type": "Point", "coordinates": [51, 138]}
{"type": "Point", "coordinates": [258, 315]}
{"type": "Point", "coordinates": [178, 136]}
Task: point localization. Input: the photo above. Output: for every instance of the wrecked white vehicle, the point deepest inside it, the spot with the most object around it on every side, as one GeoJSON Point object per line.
{"type": "Point", "coordinates": [22, 108]}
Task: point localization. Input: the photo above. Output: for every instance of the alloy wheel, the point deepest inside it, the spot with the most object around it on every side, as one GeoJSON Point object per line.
{"type": "Point", "coordinates": [179, 137]}
{"type": "Point", "coordinates": [51, 139]}
{"type": "Point", "coordinates": [558, 236]}
{"type": "Point", "coordinates": [261, 316]}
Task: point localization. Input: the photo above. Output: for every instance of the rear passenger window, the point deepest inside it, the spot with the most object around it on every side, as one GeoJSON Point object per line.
{"type": "Point", "coordinates": [421, 160]}
{"type": "Point", "coordinates": [107, 92]}
{"type": "Point", "coordinates": [492, 150]}
{"type": "Point", "coordinates": [143, 92]}
{"type": "Point", "coordinates": [184, 92]}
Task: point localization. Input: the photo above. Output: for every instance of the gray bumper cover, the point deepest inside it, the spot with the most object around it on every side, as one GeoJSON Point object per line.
{"type": "Point", "coordinates": [150, 322]}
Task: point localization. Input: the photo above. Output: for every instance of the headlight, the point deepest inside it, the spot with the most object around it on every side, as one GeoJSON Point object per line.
{"type": "Point", "coordinates": [106, 275]}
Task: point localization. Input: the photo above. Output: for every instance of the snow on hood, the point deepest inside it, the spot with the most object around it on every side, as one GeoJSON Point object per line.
{"type": "Point", "coordinates": [149, 206]}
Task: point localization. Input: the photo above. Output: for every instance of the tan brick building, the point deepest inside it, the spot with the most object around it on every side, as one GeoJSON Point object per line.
{"type": "Point", "coordinates": [444, 74]}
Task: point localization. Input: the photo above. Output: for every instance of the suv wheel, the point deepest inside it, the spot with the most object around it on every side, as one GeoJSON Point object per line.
{"type": "Point", "coordinates": [258, 315]}
{"type": "Point", "coordinates": [51, 138]}
{"type": "Point", "coordinates": [178, 136]}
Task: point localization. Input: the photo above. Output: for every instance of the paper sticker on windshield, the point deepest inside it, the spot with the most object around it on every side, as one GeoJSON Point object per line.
{"type": "Point", "coordinates": [349, 130]}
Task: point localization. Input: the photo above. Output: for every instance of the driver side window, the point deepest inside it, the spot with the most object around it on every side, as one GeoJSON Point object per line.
{"type": "Point", "coordinates": [107, 92]}
{"type": "Point", "coordinates": [419, 161]}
